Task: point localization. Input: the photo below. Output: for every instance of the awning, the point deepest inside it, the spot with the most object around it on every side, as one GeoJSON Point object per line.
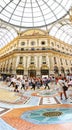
{"type": "Point", "coordinates": [20, 67]}
{"type": "Point", "coordinates": [32, 67]}
{"type": "Point", "coordinates": [44, 67]}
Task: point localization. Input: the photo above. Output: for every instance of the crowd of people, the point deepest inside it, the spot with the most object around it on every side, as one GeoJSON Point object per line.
{"type": "Point", "coordinates": [36, 82]}
{"type": "Point", "coordinates": [33, 82]}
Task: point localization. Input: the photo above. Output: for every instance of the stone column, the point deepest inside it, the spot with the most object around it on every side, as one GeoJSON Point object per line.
{"type": "Point", "coordinates": [38, 73]}
{"type": "Point", "coordinates": [14, 64]}
{"type": "Point", "coordinates": [51, 64]}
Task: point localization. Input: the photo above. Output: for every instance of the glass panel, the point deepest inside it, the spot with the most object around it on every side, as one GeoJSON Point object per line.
{"type": "Point", "coordinates": [48, 11]}
{"type": "Point", "coordinates": [62, 31]}
{"type": "Point", "coordinates": [6, 35]}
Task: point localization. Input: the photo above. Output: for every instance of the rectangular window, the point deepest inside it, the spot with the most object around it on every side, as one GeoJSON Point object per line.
{"type": "Point", "coordinates": [22, 43]}
{"type": "Point", "coordinates": [55, 60]}
{"type": "Point", "coordinates": [66, 62]}
{"type": "Point", "coordinates": [44, 59]}
{"type": "Point", "coordinates": [32, 60]}
{"type": "Point", "coordinates": [21, 60]}
{"type": "Point", "coordinates": [61, 61]}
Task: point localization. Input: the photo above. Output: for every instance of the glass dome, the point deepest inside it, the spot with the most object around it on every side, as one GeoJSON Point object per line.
{"type": "Point", "coordinates": [7, 34]}
{"type": "Point", "coordinates": [33, 13]}
{"type": "Point", "coordinates": [62, 31]}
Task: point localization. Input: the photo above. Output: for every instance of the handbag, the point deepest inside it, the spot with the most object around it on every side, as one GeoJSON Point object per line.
{"type": "Point", "coordinates": [65, 88]}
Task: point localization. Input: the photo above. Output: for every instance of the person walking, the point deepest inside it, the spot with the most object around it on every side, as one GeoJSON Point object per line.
{"type": "Point", "coordinates": [23, 83]}
{"type": "Point", "coordinates": [61, 83]}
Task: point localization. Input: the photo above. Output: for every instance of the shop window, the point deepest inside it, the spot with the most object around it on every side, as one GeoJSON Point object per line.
{"type": "Point", "coordinates": [22, 43]}
{"type": "Point", "coordinates": [32, 49]}
{"type": "Point", "coordinates": [20, 72]}
{"type": "Point", "coordinates": [32, 73]}
{"type": "Point", "coordinates": [43, 48]}
{"type": "Point", "coordinates": [22, 49]}
{"type": "Point", "coordinates": [44, 72]}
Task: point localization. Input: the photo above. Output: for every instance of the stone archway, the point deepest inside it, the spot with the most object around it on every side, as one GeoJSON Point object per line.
{"type": "Point", "coordinates": [20, 70]}
{"type": "Point", "coordinates": [44, 70]}
{"type": "Point", "coordinates": [32, 70]}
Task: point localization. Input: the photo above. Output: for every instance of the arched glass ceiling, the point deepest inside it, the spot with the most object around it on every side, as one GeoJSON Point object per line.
{"type": "Point", "coordinates": [62, 31]}
{"type": "Point", "coordinates": [33, 13]}
{"type": "Point", "coordinates": [7, 34]}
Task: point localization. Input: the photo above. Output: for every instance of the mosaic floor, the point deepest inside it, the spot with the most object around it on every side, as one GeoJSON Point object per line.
{"type": "Point", "coordinates": [14, 105]}
{"type": "Point", "coordinates": [48, 116]}
{"type": "Point", "coordinates": [3, 110]}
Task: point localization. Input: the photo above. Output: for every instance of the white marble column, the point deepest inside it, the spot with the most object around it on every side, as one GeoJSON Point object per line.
{"type": "Point", "coordinates": [17, 60]}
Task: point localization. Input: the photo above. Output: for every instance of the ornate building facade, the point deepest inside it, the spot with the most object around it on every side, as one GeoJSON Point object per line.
{"type": "Point", "coordinates": [35, 53]}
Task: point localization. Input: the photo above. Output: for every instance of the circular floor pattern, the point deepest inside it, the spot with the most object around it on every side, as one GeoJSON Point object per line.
{"type": "Point", "coordinates": [47, 93]}
{"type": "Point", "coordinates": [60, 115]}
{"type": "Point", "coordinates": [52, 114]}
